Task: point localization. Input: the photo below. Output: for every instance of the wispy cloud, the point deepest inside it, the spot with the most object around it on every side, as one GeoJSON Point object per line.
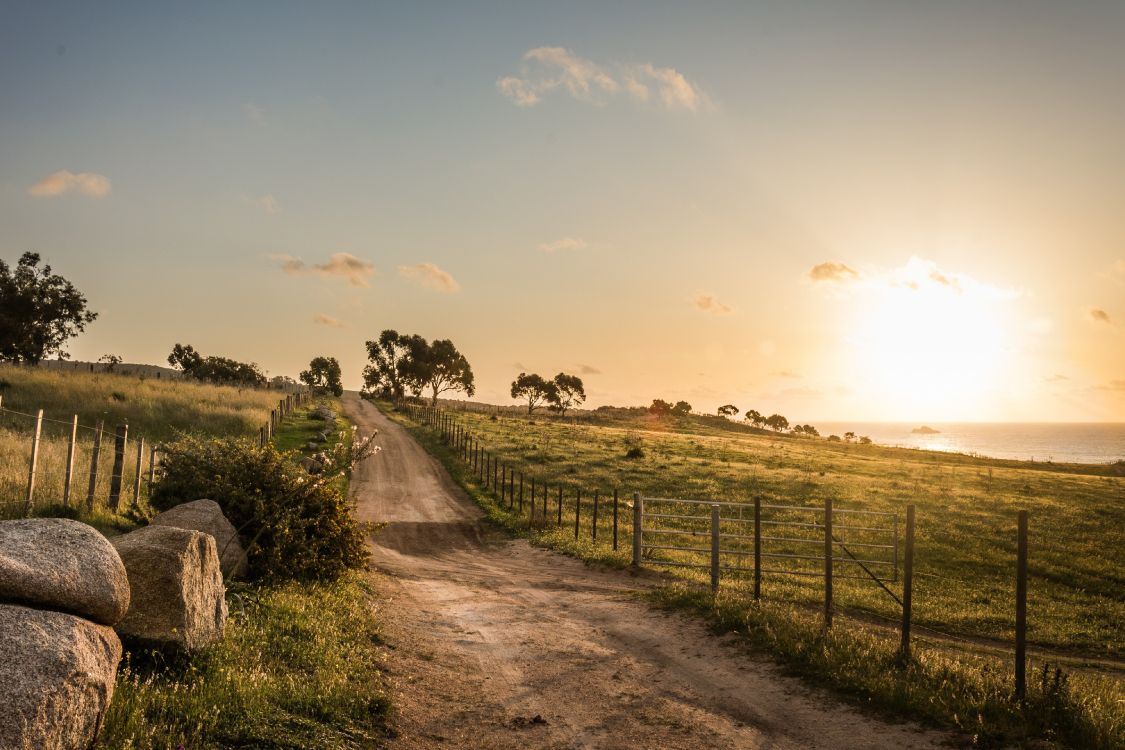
{"type": "Point", "coordinates": [64, 181]}
{"type": "Point", "coordinates": [708, 303]}
{"type": "Point", "coordinates": [266, 203]}
{"type": "Point", "coordinates": [1056, 378]}
{"type": "Point", "coordinates": [254, 113]}
{"type": "Point", "coordinates": [786, 374]}
{"type": "Point", "coordinates": [588, 370]}
{"type": "Point", "coordinates": [1117, 386]}
{"type": "Point", "coordinates": [544, 70]}
{"type": "Point", "coordinates": [327, 320]}
{"type": "Point", "coordinates": [429, 275]}
{"type": "Point", "coordinates": [832, 271]}
{"type": "Point", "coordinates": [1098, 315]}
{"type": "Point", "coordinates": [355, 271]}
{"type": "Point", "coordinates": [566, 243]}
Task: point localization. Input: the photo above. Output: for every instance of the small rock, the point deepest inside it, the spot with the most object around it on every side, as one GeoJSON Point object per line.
{"type": "Point", "coordinates": [56, 563]}
{"type": "Point", "coordinates": [178, 595]}
{"type": "Point", "coordinates": [207, 516]}
{"type": "Point", "coordinates": [312, 445]}
{"type": "Point", "coordinates": [311, 465]}
{"type": "Point", "coordinates": [56, 677]}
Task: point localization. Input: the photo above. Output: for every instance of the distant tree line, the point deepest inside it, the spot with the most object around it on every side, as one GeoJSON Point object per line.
{"type": "Point", "coordinates": [407, 363]}
{"type": "Point", "coordinates": [219, 370]}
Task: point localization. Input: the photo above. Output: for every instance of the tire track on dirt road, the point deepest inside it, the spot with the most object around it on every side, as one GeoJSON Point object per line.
{"type": "Point", "coordinates": [487, 633]}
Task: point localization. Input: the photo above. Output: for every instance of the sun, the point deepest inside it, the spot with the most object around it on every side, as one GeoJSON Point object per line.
{"type": "Point", "coordinates": [930, 345]}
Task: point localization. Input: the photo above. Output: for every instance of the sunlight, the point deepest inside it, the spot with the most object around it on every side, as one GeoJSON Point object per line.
{"type": "Point", "coordinates": [930, 344]}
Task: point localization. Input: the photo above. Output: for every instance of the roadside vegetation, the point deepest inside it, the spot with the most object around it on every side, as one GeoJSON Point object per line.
{"type": "Point", "coordinates": [964, 562]}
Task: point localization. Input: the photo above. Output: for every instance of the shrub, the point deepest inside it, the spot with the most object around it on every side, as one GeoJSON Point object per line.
{"type": "Point", "coordinates": [293, 526]}
{"type": "Point", "coordinates": [635, 452]}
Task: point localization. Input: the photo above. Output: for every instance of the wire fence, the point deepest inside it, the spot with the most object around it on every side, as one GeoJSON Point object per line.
{"type": "Point", "coordinates": [47, 462]}
{"type": "Point", "coordinates": [733, 541]}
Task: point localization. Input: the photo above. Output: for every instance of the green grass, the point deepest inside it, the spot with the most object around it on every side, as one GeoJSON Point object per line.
{"type": "Point", "coordinates": [153, 409]}
{"type": "Point", "coordinates": [299, 668]}
{"type": "Point", "coordinates": [965, 561]}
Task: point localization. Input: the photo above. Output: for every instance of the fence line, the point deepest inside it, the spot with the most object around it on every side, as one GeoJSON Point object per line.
{"type": "Point", "coordinates": [493, 474]}
{"type": "Point", "coordinates": [125, 464]}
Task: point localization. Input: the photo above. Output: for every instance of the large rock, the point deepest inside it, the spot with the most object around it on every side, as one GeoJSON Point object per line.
{"type": "Point", "coordinates": [56, 563]}
{"type": "Point", "coordinates": [56, 678]}
{"type": "Point", "coordinates": [207, 516]}
{"type": "Point", "coordinates": [177, 587]}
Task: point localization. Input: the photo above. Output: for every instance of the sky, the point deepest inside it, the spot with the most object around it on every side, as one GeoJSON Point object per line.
{"type": "Point", "coordinates": [877, 211]}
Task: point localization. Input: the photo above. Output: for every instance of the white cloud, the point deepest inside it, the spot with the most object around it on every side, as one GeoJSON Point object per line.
{"type": "Point", "coordinates": [708, 303]}
{"type": "Point", "coordinates": [917, 274]}
{"type": "Point", "coordinates": [327, 320]}
{"type": "Point", "coordinates": [832, 271]}
{"type": "Point", "coordinates": [427, 274]}
{"type": "Point", "coordinates": [547, 69]}
{"type": "Point", "coordinates": [566, 243]}
{"type": "Point", "coordinates": [267, 203]}
{"type": "Point", "coordinates": [343, 265]}
{"type": "Point", "coordinates": [63, 181]}
{"type": "Point", "coordinates": [1098, 315]}
{"type": "Point", "coordinates": [254, 113]}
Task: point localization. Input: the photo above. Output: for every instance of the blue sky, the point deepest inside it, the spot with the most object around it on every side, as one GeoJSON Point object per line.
{"type": "Point", "coordinates": [637, 191]}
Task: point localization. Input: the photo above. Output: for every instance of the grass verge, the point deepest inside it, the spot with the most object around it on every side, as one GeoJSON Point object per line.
{"type": "Point", "coordinates": [298, 669]}
{"type": "Point", "coordinates": [941, 686]}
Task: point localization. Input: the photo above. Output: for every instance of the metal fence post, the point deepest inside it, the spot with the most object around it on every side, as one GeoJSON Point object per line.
{"type": "Point", "coordinates": [70, 451]}
{"type": "Point", "coordinates": [827, 563]}
{"type": "Point", "coordinates": [614, 519]}
{"type": "Point", "coordinates": [757, 549]}
{"type": "Point", "coordinates": [907, 584]}
{"type": "Point", "coordinates": [638, 514]}
{"type": "Point", "coordinates": [34, 462]}
{"type": "Point", "coordinates": [1021, 607]}
{"type": "Point", "coordinates": [715, 548]}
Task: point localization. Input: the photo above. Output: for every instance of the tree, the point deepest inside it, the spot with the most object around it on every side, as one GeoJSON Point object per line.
{"type": "Point", "coordinates": [833, 438]}
{"type": "Point", "coordinates": [323, 373]}
{"type": "Point", "coordinates": [777, 422]}
{"type": "Point", "coordinates": [386, 355]}
{"type": "Point", "coordinates": [39, 311]}
{"type": "Point", "coordinates": [568, 391]}
{"type": "Point", "coordinates": [437, 366]}
{"type": "Point", "coordinates": [681, 408]}
{"type": "Point", "coordinates": [864, 440]}
{"type": "Point", "coordinates": [221, 370]}
{"type": "Point", "coordinates": [728, 410]}
{"type": "Point", "coordinates": [660, 407]}
{"type": "Point", "coordinates": [849, 436]}
{"type": "Point", "coordinates": [533, 388]}
{"type": "Point", "coordinates": [811, 431]}
{"type": "Point", "coordinates": [111, 361]}
{"type": "Point", "coordinates": [185, 358]}
{"type": "Point", "coordinates": [754, 417]}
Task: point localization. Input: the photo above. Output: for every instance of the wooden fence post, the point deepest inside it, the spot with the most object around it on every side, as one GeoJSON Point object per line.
{"type": "Point", "coordinates": [715, 548]}
{"type": "Point", "coordinates": [907, 585]}
{"type": "Point", "coordinates": [559, 523]}
{"type": "Point", "coordinates": [511, 498]}
{"type": "Point", "coordinates": [614, 519]}
{"type": "Point", "coordinates": [140, 469]}
{"type": "Point", "coordinates": [262, 437]}
{"type": "Point", "coordinates": [532, 495]}
{"type": "Point", "coordinates": [1021, 607]}
{"type": "Point", "coordinates": [120, 440]}
{"type": "Point", "coordinates": [71, 448]}
{"type": "Point", "coordinates": [34, 461]}
{"type": "Point", "coordinates": [151, 468]}
{"type": "Point", "coordinates": [757, 549]}
{"type": "Point", "coordinates": [638, 514]}
{"type": "Point", "coordinates": [95, 454]}
{"type": "Point", "coordinates": [827, 563]}
{"type": "Point", "coordinates": [503, 481]}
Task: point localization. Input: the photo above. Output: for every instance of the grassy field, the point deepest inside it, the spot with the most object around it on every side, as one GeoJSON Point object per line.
{"type": "Point", "coordinates": [153, 409]}
{"type": "Point", "coordinates": [964, 563]}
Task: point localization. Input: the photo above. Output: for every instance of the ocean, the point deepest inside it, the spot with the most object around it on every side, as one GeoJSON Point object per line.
{"type": "Point", "coordinates": [1090, 443]}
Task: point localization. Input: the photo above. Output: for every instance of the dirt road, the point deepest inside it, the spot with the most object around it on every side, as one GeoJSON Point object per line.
{"type": "Point", "coordinates": [496, 644]}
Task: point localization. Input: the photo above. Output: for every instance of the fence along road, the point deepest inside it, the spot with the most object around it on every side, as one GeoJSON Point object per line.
{"type": "Point", "coordinates": [490, 633]}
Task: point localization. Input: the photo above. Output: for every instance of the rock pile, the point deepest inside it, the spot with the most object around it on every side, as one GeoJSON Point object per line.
{"type": "Point", "coordinates": [62, 587]}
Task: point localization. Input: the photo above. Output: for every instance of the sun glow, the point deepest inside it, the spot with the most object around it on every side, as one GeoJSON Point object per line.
{"type": "Point", "coordinates": [931, 345]}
